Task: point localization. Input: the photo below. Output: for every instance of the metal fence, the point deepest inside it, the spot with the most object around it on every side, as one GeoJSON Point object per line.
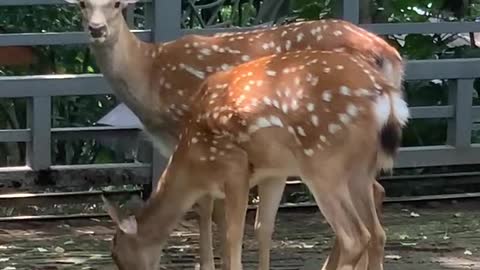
{"type": "Point", "coordinates": [165, 26]}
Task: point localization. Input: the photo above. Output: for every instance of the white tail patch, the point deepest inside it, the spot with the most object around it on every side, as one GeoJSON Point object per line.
{"type": "Point", "coordinates": [400, 109]}
{"type": "Point", "coordinates": [382, 109]}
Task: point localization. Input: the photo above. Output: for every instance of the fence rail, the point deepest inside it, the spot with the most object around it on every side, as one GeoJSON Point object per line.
{"type": "Point", "coordinates": [166, 26]}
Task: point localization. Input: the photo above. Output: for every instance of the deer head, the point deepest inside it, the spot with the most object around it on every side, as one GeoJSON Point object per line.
{"type": "Point", "coordinates": [128, 250]}
{"type": "Point", "coordinates": [102, 19]}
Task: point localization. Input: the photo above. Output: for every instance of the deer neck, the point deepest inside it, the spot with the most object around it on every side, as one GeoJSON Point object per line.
{"type": "Point", "coordinates": [167, 206]}
{"type": "Point", "coordinates": [125, 65]}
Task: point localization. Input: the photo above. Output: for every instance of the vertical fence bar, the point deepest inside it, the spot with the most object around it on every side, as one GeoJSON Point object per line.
{"type": "Point", "coordinates": [39, 120]}
{"type": "Point", "coordinates": [459, 130]}
{"type": "Point", "coordinates": [351, 10]}
{"type": "Point", "coordinates": [166, 26]}
{"type": "Point", "coordinates": [167, 17]}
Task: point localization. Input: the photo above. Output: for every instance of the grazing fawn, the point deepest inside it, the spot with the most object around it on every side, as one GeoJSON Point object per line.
{"type": "Point", "coordinates": [157, 81]}
{"type": "Point", "coordinates": [326, 116]}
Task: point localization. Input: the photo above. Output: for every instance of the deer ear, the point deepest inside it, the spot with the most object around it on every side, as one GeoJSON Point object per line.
{"type": "Point", "coordinates": [134, 204]}
{"type": "Point", "coordinates": [72, 1]}
{"type": "Point", "coordinates": [128, 225]}
{"type": "Point", "coordinates": [111, 209]}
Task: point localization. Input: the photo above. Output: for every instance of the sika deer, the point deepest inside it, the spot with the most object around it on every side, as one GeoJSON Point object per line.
{"type": "Point", "coordinates": [157, 81]}
{"type": "Point", "coordinates": [328, 117]}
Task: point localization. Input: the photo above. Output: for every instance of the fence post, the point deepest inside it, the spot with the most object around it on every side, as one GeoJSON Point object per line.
{"type": "Point", "coordinates": [39, 110]}
{"type": "Point", "coordinates": [351, 10]}
{"type": "Point", "coordinates": [459, 130]}
{"type": "Point", "coordinates": [166, 26]}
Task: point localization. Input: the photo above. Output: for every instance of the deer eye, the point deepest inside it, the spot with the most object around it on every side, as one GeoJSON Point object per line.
{"type": "Point", "coordinates": [82, 5]}
{"type": "Point", "coordinates": [117, 4]}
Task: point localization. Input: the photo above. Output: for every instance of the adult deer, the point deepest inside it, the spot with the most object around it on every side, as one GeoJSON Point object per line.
{"type": "Point", "coordinates": [157, 81]}
{"type": "Point", "coordinates": [326, 116]}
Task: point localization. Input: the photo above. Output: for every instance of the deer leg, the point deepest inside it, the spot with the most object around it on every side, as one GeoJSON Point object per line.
{"type": "Point", "coordinates": [376, 234]}
{"type": "Point", "coordinates": [373, 222]}
{"type": "Point", "coordinates": [205, 210]}
{"type": "Point", "coordinates": [337, 203]}
{"type": "Point", "coordinates": [219, 219]}
{"type": "Point", "coordinates": [270, 192]}
{"type": "Point", "coordinates": [236, 203]}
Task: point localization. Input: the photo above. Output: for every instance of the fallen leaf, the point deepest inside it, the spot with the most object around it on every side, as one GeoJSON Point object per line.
{"type": "Point", "coordinates": [42, 249]}
{"type": "Point", "coordinates": [467, 252]}
{"type": "Point", "coordinates": [413, 214]}
{"type": "Point", "coordinates": [393, 257]}
{"type": "Point", "coordinates": [59, 250]}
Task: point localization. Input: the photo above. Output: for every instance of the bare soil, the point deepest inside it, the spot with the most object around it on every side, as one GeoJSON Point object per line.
{"type": "Point", "coordinates": [435, 236]}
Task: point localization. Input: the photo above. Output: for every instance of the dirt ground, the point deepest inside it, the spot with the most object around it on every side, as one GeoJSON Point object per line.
{"type": "Point", "coordinates": [435, 236]}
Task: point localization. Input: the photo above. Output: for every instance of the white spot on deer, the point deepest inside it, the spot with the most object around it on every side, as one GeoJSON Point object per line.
{"type": "Point", "coordinates": [337, 33]}
{"type": "Point", "coordinates": [168, 85]}
{"type": "Point", "coordinates": [287, 92]}
{"type": "Point", "coordinates": [267, 101]}
{"type": "Point", "coordinates": [259, 83]}
{"type": "Point", "coordinates": [180, 92]}
{"type": "Point", "coordinates": [284, 33]}
{"type": "Point", "coordinates": [319, 37]}
{"type": "Point", "coordinates": [297, 81]}
{"type": "Point", "coordinates": [285, 107]}
{"type": "Point", "coordinates": [362, 92]}
{"type": "Point", "coordinates": [271, 73]}
{"type": "Point", "coordinates": [333, 128]}
{"type": "Point", "coordinates": [286, 70]}
{"type": "Point", "coordinates": [194, 140]}
{"type": "Point", "coordinates": [300, 37]}
{"type": "Point", "coordinates": [276, 121]}
{"type": "Point", "coordinates": [265, 46]}
{"type": "Point", "coordinates": [339, 67]}
{"type": "Point", "coordinates": [323, 138]}
{"type": "Point", "coordinates": [352, 110]}
{"type": "Point", "coordinates": [377, 86]}
{"type": "Point", "coordinates": [327, 96]}
{"type": "Point", "coordinates": [294, 105]}
{"type": "Point", "coordinates": [247, 88]}
{"type": "Point", "coordinates": [291, 130]}
{"type": "Point", "coordinates": [314, 80]}
{"type": "Point", "coordinates": [344, 118]}
{"type": "Point", "coordinates": [245, 58]}
{"type": "Point", "coordinates": [211, 158]}
{"type": "Point", "coordinates": [309, 152]}
{"type": "Point", "coordinates": [206, 51]}
{"type": "Point", "coordinates": [326, 70]}
{"type": "Point", "coordinates": [314, 120]}
{"type": "Point", "coordinates": [213, 149]}
{"type": "Point", "coordinates": [225, 67]}
{"type": "Point", "coordinates": [288, 45]}
{"type": "Point", "coordinates": [197, 73]}
{"type": "Point", "coordinates": [344, 90]}
{"type": "Point", "coordinates": [301, 131]}
{"type": "Point", "coordinates": [310, 107]}
{"type": "Point", "coordinates": [203, 158]}
{"type": "Point", "coordinates": [278, 49]}
{"type": "Point", "coordinates": [261, 122]}
{"type": "Point", "coordinates": [276, 104]}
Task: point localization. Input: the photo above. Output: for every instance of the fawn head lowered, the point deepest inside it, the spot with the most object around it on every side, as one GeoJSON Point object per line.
{"type": "Point", "coordinates": [102, 19]}
{"type": "Point", "coordinates": [136, 255]}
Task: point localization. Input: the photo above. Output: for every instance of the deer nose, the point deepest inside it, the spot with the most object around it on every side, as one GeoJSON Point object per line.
{"type": "Point", "coordinates": [97, 30]}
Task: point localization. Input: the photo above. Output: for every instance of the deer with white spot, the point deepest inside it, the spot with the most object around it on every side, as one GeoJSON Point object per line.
{"type": "Point", "coordinates": [157, 81]}
{"type": "Point", "coordinates": [268, 119]}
